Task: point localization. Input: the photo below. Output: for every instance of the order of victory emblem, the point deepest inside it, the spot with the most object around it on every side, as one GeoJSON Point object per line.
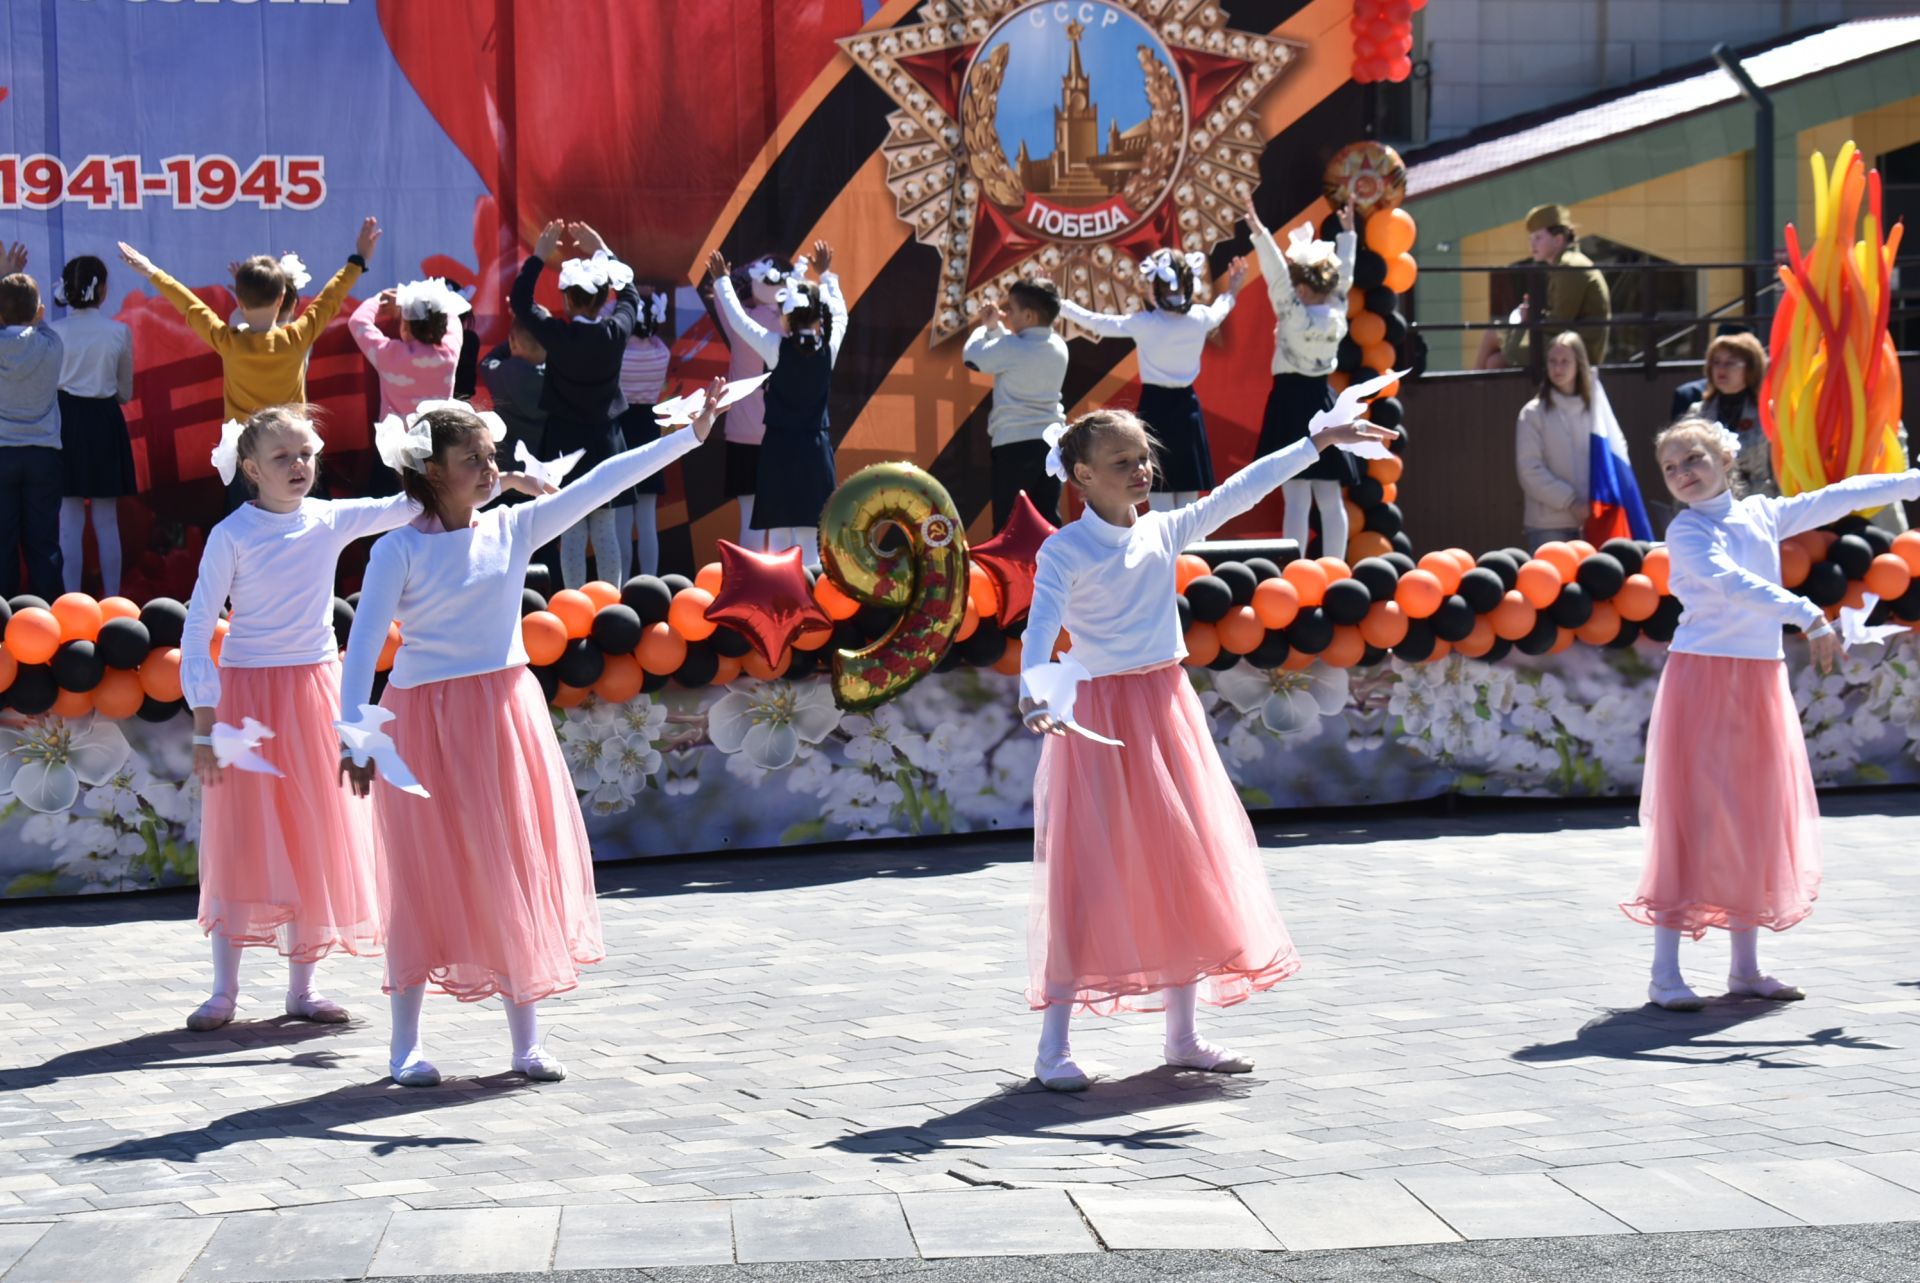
{"type": "Point", "coordinates": [1067, 138]}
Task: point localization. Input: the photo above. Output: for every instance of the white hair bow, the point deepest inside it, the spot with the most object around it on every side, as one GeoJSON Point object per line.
{"type": "Point", "coordinates": [794, 296]}
{"type": "Point", "coordinates": [1306, 250]}
{"type": "Point", "coordinates": [1728, 439]}
{"type": "Point", "coordinates": [766, 271]}
{"type": "Point", "coordinates": [408, 443]}
{"type": "Point", "coordinates": [418, 298]}
{"type": "Point", "coordinates": [657, 309]}
{"type": "Point", "coordinates": [1056, 465]}
{"type": "Point", "coordinates": [294, 270]}
{"type": "Point", "coordinates": [602, 271]}
{"type": "Point", "coordinates": [1160, 263]}
{"type": "Point", "coordinates": [226, 455]}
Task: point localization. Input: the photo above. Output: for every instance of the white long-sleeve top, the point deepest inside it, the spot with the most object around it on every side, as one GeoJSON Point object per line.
{"type": "Point", "coordinates": [277, 569]}
{"type": "Point", "coordinates": [1028, 369]}
{"type": "Point", "coordinates": [746, 420]}
{"type": "Point", "coordinates": [764, 341]}
{"type": "Point", "coordinates": [1725, 563]}
{"type": "Point", "coordinates": [457, 592]}
{"type": "Point", "coordinates": [1169, 343]}
{"type": "Point", "coordinates": [1112, 587]}
{"type": "Point", "coordinates": [1306, 337]}
{"type": "Point", "coordinates": [96, 358]}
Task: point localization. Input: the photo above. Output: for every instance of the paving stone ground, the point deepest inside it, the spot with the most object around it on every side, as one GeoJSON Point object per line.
{"type": "Point", "coordinates": [792, 1062]}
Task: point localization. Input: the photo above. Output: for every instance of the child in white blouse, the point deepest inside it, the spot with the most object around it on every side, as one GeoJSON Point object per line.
{"type": "Point", "coordinates": [96, 454]}
{"type": "Point", "coordinates": [1148, 879]}
{"type": "Point", "coordinates": [1728, 809]}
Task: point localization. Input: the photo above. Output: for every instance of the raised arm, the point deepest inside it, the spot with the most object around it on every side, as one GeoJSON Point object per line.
{"type": "Point", "coordinates": [1108, 325]}
{"type": "Point", "coordinates": [201, 319]}
{"type": "Point", "coordinates": [306, 328]}
{"type": "Point", "coordinates": [549, 517]}
{"type": "Point", "coordinates": [1241, 491]}
{"type": "Point", "coordinates": [199, 675]}
{"type": "Point", "coordinates": [520, 299]}
{"type": "Point", "coordinates": [764, 342]}
{"type": "Point", "coordinates": [1702, 566]}
{"type": "Point", "coordinates": [1830, 503]}
{"type": "Point", "coordinates": [1218, 310]}
{"type": "Point", "coordinates": [357, 518]}
{"type": "Point", "coordinates": [988, 347]}
{"type": "Point", "coordinates": [379, 601]}
{"type": "Point", "coordinates": [1346, 247]}
{"type": "Point", "coordinates": [837, 308]}
{"type": "Point", "coordinates": [367, 336]}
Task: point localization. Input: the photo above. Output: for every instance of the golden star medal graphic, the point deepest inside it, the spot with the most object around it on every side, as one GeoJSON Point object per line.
{"type": "Point", "coordinates": [1067, 139]}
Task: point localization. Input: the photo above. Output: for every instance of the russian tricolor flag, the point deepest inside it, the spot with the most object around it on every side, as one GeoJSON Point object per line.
{"type": "Point", "coordinates": [1613, 496]}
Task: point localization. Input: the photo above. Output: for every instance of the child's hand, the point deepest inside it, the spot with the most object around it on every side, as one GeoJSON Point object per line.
{"type": "Point", "coordinates": [548, 246]}
{"type": "Point", "coordinates": [136, 260]}
{"type": "Point", "coordinates": [527, 484]}
{"type": "Point", "coordinates": [1236, 274]}
{"type": "Point", "coordinates": [206, 764]}
{"type": "Point", "coordinates": [388, 301]}
{"type": "Point", "coordinates": [1039, 720]}
{"type": "Point", "coordinates": [1346, 216]}
{"type": "Point", "coordinates": [15, 259]}
{"type": "Point", "coordinates": [822, 257]}
{"type": "Point", "coordinates": [1826, 650]}
{"type": "Point", "coordinates": [991, 315]}
{"type": "Point", "coordinates": [369, 237]}
{"type": "Point", "coordinates": [586, 238]}
{"type": "Point", "coordinates": [717, 266]}
{"type": "Point", "coordinates": [703, 423]}
{"type": "Point", "coordinates": [358, 778]}
{"type": "Point", "coordinates": [1354, 433]}
{"type": "Point", "coordinates": [1253, 215]}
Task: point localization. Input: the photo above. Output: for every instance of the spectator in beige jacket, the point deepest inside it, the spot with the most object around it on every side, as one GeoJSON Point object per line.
{"type": "Point", "coordinates": [1551, 440]}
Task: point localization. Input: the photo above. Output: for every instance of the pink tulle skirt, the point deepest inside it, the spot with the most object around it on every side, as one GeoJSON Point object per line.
{"type": "Point", "coordinates": [289, 861]}
{"type": "Point", "coordinates": [490, 881]}
{"type": "Point", "coordinates": [1146, 872]}
{"type": "Point", "coordinates": [1728, 808]}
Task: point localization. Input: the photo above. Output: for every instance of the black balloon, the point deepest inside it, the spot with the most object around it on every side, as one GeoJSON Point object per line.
{"type": "Point", "coordinates": [33, 690]}
{"type": "Point", "coordinates": [1369, 270]}
{"type": "Point", "coordinates": [801, 663]}
{"type": "Point", "coordinates": [1601, 575]}
{"type": "Point", "coordinates": [846, 636]}
{"type": "Point", "coordinates": [77, 666]}
{"type": "Point", "coordinates": [1878, 540]}
{"type": "Point", "coordinates": [342, 623]}
{"type": "Point", "coordinates": [1346, 357]}
{"type": "Point", "coordinates": [1851, 524]}
{"type": "Point", "coordinates": [1369, 657]}
{"type": "Point", "coordinates": [1387, 412]}
{"type": "Point", "coordinates": [1825, 584]}
{"type": "Point", "coordinates": [540, 579]}
{"type": "Point", "coordinates": [1629, 633]}
{"type": "Point", "coordinates": [1223, 661]}
{"type": "Point", "coordinates": [1384, 519]}
{"type": "Point", "coordinates": [1347, 601]}
{"type": "Point", "coordinates": [1627, 552]}
{"type": "Point", "coordinates": [548, 679]}
{"type": "Point", "coordinates": [1365, 493]}
{"type": "Point", "coordinates": [1379, 575]}
{"type": "Point", "coordinates": [1381, 300]}
{"type": "Point", "coordinates": [1454, 620]}
{"type": "Point", "coordinates": [651, 682]}
{"type": "Point", "coordinates": [1401, 559]}
{"type": "Point", "coordinates": [530, 601]}
{"type": "Point", "coordinates": [985, 647]}
{"type": "Point", "coordinates": [581, 663]}
{"type": "Point", "coordinates": [699, 668]}
{"type": "Point", "coordinates": [1481, 589]}
{"type": "Point", "coordinates": [1272, 650]}
{"type": "Point", "coordinates": [157, 711]}
{"type": "Point", "coordinates": [1310, 632]}
{"type": "Point", "coordinates": [730, 643]}
{"type": "Point", "coordinates": [1852, 554]}
{"type": "Point", "coordinates": [1184, 609]}
{"type": "Point", "coordinates": [1210, 598]}
{"type": "Point", "coordinates": [1501, 649]}
{"type": "Point", "coordinates": [1906, 607]}
{"type": "Point", "coordinates": [1403, 543]}
{"type": "Point", "coordinates": [1396, 329]}
{"type": "Point", "coordinates": [1417, 644]}
{"type": "Point", "coordinates": [1239, 578]}
{"type": "Point", "coordinates": [1263, 569]}
{"type": "Point", "coordinates": [1573, 607]}
{"type": "Point", "coordinates": [164, 618]}
{"type": "Point", "coordinates": [123, 643]}
{"type": "Point", "coordinates": [616, 629]}
{"type": "Point", "coordinates": [1504, 568]}
{"type": "Point", "coordinates": [24, 600]}
{"type": "Point", "coordinates": [676, 584]}
{"type": "Point", "coordinates": [874, 622]}
{"type": "Point", "coordinates": [1538, 642]}
{"type": "Point", "coordinates": [648, 597]}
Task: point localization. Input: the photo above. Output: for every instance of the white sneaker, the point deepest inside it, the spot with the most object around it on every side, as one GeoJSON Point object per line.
{"type": "Point", "coordinates": [212, 1014]}
{"type": "Point", "coordinates": [1763, 986]}
{"type": "Point", "coordinates": [1677, 997]}
{"type": "Point", "coordinates": [539, 1066]}
{"type": "Point", "coordinates": [1060, 1073]}
{"type": "Point", "coordinates": [1205, 1056]}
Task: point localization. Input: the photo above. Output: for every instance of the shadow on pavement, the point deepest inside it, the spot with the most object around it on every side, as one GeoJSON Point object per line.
{"type": "Point", "coordinates": [1689, 1038]}
{"type": "Point", "coordinates": [1030, 1110]}
{"type": "Point", "coordinates": [183, 1049]}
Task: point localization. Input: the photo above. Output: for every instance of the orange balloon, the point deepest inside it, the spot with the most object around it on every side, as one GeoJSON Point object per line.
{"type": "Point", "coordinates": [1513, 618]}
{"type": "Point", "coordinates": [79, 615]}
{"type": "Point", "coordinates": [544, 636]}
{"type": "Point", "coordinates": [1478, 642]}
{"type": "Point", "coordinates": [1461, 558]}
{"type": "Point", "coordinates": [570, 696]}
{"type": "Point", "coordinates": [1309, 580]}
{"type": "Point", "coordinates": [1009, 663]}
{"type": "Point", "coordinates": [1368, 543]}
{"type": "Point", "coordinates": [1391, 389]}
{"type": "Point", "coordinates": [1445, 567]}
{"type": "Point", "coordinates": [661, 650]}
{"type": "Point", "coordinates": [388, 649]}
{"type": "Point", "coordinates": [1390, 232]}
{"type": "Point", "coordinates": [1419, 593]}
{"type": "Point", "coordinates": [1356, 519]}
{"type": "Point", "coordinates": [1561, 641]}
{"type": "Point", "coordinates": [575, 609]}
{"type": "Point", "coordinates": [1276, 602]}
{"type": "Point", "coordinates": [160, 674]}
{"type": "Point", "coordinates": [1856, 598]}
{"type": "Point", "coordinates": [1637, 598]}
{"type": "Point", "coordinates": [1441, 649]}
{"type": "Point", "coordinates": [1366, 328]}
{"type": "Point", "coordinates": [838, 605]}
{"type": "Point", "coordinates": [1402, 272]}
{"type": "Point", "coordinates": [1298, 661]}
{"type": "Point", "coordinates": [1336, 569]}
{"type": "Point", "coordinates": [709, 577]}
{"type": "Point", "coordinates": [1602, 626]}
{"type": "Point", "coordinates": [758, 667]}
{"type": "Point", "coordinates": [73, 703]}
{"type": "Point", "coordinates": [601, 593]}
{"type": "Point", "coordinates": [1240, 630]}
{"type": "Point", "coordinates": [1188, 568]}
{"type": "Point", "coordinates": [619, 679]}
{"type": "Point", "coordinates": [1357, 304]}
{"type": "Point", "coordinates": [729, 668]}
{"type": "Point", "coordinates": [1385, 625]}
{"type": "Point", "coordinates": [1203, 645]}
{"type": "Point", "coordinates": [969, 623]}
{"type": "Point", "coordinates": [981, 591]}
{"type": "Point", "coordinates": [116, 608]}
{"type": "Point", "coordinates": [816, 637]}
{"type": "Point", "coordinates": [219, 643]}
{"type": "Point", "coordinates": [1561, 556]}
{"type": "Point", "coordinates": [1907, 548]}
{"type": "Point", "coordinates": [1888, 577]}
{"type": "Point", "coordinates": [33, 635]}
{"type": "Point", "coordinates": [1389, 492]}
{"type": "Point", "coordinates": [1658, 563]}
{"type": "Point", "coordinates": [1338, 380]}
{"type": "Point", "coordinates": [688, 614]}
{"type": "Point", "coordinates": [1385, 471]}
{"type": "Point", "coordinates": [1346, 649]}
{"type": "Point", "coordinates": [119, 694]}
{"type": "Point", "coordinates": [1582, 548]}
{"type": "Point", "coordinates": [10, 669]}
{"type": "Point", "coordinates": [1540, 583]}
{"type": "Point", "coordinates": [1377, 357]}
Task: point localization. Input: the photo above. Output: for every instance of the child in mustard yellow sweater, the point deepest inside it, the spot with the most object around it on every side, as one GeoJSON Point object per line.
{"type": "Point", "coordinates": [263, 364]}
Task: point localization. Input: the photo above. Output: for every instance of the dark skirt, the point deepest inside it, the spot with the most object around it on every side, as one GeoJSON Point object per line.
{"type": "Point", "coordinates": [743, 469]}
{"type": "Point", "coordinates": [796, 477]}
{"type": "Point", "coordinates": [96, 453]}
{"type": "Point", "coordinates": [600, 441]}
{"type": "Point", "coordinates": [1294, 400]}
{"type": "Point", "coordinates": [1173, 416]}
{"type": "Point", "coordinates": [637, 427]}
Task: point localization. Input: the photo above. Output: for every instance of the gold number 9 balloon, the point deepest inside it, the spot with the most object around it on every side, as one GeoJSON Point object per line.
{"type": "Point", "coordinates": [890, 537]}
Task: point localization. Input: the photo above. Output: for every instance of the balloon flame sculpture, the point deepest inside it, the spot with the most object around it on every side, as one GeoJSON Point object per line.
{"type": "Point", "coordinates": [1831, 402]}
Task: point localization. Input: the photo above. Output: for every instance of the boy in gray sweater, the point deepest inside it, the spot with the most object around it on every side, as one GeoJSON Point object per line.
{"type": "Point", "coordinates": [31, 478]}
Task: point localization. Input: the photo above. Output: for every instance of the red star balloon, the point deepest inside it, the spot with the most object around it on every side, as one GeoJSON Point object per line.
{"type": "Point", "coordinates": [1011, 557]}
{"type": "Point", "coordinates": [766, 597]}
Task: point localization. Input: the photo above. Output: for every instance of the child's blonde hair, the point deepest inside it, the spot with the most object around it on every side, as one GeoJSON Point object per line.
{"type": "Point", "coordinates": [1709, 436]}
{"type": "Point", "coordinates": [1077, 443]}
{"type": "Point", "coordinates": [263, 423]}
{"type": "Point", "coordinates": [1582, 369]}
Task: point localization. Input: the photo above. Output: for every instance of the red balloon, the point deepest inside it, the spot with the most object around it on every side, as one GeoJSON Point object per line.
{"type": "Point", "coordinates": [1011, 557]}
{"type": "Point", "coordinates": [765, 595]}
{"type": "Point", "coordinates": [1401, 69]}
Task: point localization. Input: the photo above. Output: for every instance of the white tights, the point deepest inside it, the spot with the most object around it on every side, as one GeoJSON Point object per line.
{"type": "Point", "coordinates": [637, 525]}
{"type": "Point", "coordinates": [1301, 497]}
{"type": "Point", "coordinates": [1183, 1033]}
{"type": "Point", "coordinates": [226, 972]}
{"type": "Point", "coordinates": [1745, 960]}
{"type": "Point", "coordinates": [805, 538]}
{"type": "Point", "coordinates": [523, 1026]}
{"type": "Point", "coordinates": [1168, 500]}
{"type": "Point", "coordinates": [73, 535]}
{"type": "Point", "coordinates": [608, 561]}
{"type": "Point", "coordinates": [750, 539]}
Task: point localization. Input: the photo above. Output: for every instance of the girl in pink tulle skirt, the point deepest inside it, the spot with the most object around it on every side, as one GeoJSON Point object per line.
{"type": "Point", "coordinates": [1149, 893]}
{"type": "Point", "coordinates": [1728, 809]}
{"type": "Point", "coordinates": [489, 877]}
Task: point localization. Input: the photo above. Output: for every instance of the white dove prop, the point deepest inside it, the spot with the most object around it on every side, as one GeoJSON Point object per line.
{"type": "Point", "coordinates": [234, 746]}
{"type": "Point", "coordinates": [1856, 631]}
{"type": "Point", "coordinates": [366, 742]}
{"type": "Point", "coordinates": [682, 410]}
{"type": "Point", "coordinates": [1347, 408]}
{"type": "Point", "coordinates": [550, 471]}
{"type": "Point", "coordinates": [1057, 685]}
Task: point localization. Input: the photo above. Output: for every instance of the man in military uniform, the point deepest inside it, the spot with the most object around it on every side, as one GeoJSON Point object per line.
{"type": "Point", "coordinates": [1573, 297]}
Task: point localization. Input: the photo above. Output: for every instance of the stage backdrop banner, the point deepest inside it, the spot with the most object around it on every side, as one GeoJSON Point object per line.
{"type": "Point", "coordinates": [206, 132]}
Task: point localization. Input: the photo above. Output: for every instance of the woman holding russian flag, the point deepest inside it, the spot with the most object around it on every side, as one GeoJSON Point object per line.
{"type": "Point", "coordinates": [1572, 457]}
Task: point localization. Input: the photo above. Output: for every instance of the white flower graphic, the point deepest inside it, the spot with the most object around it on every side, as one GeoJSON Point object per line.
{"type": "Point", "coordinates": [767, 723]}
{"type": "Point", "coordinates": [1289, 703]}
{"type": "Point", "coordinates": [50, 758]}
